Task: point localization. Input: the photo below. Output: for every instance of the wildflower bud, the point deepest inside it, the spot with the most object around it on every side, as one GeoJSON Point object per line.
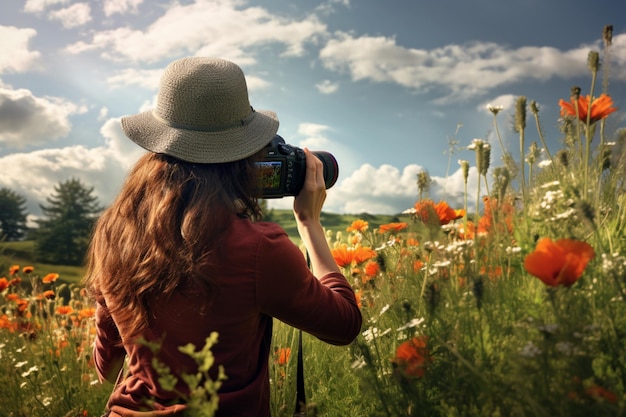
{"type": "Point", "coordinates": [465, 169]}
{"type": "Point", "coordinates": [494, 109]}
{"type": "Point", "coordinates": [593, 61]}
{"type": "Point", "coordinates": [575, 93]}
{"type": "Point", "coordinates": [423, 181]}
{"type": "Point", "coordinates": [520, 114]}
{"type": "Point", "coordinates": [534, 107]}
{"type": "Point", "coordinates": [533, 153]}
{"type": "Point", "coordinates": [502, 179]}
{"type": "Point", "coordinates": [486, 159]}
{"type": "Point", "coordinates": [562, 158]}
{"type": "Point", "coordinates": [607, 35]}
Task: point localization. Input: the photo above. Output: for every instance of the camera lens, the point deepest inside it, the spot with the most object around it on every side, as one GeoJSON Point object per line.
{"type": "Point", "coordinates": [331, 168]}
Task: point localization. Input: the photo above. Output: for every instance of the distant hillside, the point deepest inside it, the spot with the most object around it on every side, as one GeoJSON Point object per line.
{"type": "Point", "coordinates": [331, 221]}
{"type": "Point", "coordinates": [21, 253]}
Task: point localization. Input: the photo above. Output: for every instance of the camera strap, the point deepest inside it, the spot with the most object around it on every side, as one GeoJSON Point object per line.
{"type": "Point", "coordinates": [300, 410]}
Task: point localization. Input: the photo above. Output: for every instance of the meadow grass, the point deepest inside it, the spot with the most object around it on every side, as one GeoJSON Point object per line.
{"type": "Point", "coordinates": [516, 307]}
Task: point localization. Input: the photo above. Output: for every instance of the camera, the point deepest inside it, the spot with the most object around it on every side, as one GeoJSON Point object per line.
{"type": "Point", "coordinates": [282, 169]}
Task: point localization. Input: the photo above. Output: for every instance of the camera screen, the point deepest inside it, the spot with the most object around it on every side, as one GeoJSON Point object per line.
{"type": "Point", "coordinates": [270, 174]}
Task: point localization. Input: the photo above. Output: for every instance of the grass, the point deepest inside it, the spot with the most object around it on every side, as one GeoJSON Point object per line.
{"type": "Point", "coordinates": [21, 253]}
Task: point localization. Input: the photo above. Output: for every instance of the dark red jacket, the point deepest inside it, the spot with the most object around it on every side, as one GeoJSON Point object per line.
{"type": "Point", "coordinates": [262, 275]}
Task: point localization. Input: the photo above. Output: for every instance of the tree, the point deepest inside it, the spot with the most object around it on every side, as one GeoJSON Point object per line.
{"type": "Point", "coordinates": [63, 236]}
{"type": "Point", "coordinates": [12, 215]}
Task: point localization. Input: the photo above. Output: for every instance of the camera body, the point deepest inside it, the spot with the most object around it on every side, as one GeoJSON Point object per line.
{"type": "Point", "coordinates": [282, 169]}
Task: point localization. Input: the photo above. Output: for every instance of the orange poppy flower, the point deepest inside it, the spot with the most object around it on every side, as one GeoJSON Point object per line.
{"type": "Point", "coordinates": [357, 296]}
{"type": "Point", "coordinates": [86, 313]}
{"type": "Point", "coordinates": [12, 297]}
{"type": "Point", "coordinates": [64, 310]}
{"type": "Point", "coordinates": [392, 227]}
{"type": "Point", "coordinates": [282, 356]}
{"type": "Point", "coordinates": [445, 214]}
{"type": "Point", "coordinates": [6, 323]}
{"type": "Point", "coordinates": [50, 278]}
{"type": "Point", "coordinates": [559, 263]}
{"type": "Point", "coordinates": [372, 268]}
{"type": "Point", "coordinates": [49, 294]}
{"type": "Point", "coordinates": [418, 265]}
{"type": "Point", "coordinates": [600, 108]}
{"type": "Point", "coordinates": [28, 269]}
{"type": "Point", "coordinates": [412, 242]}
{"type": "Point", "coordinates": [14, 269]}
{"type": "Point", "coordinates": [358, 226]}
{"type": "Point", "coordinates": [411, 357]}
{"type": "Point", "coordinates": [345, 256]}
{"type": "Point", "coordinates": [4, 284]}
{"type": "Point", "coordinates": [362, 254]}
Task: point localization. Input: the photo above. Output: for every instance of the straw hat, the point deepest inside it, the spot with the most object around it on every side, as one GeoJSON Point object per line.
{"type": "Point", "coordinates": [202, 115]}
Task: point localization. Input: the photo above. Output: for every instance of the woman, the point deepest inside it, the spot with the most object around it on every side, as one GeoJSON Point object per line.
{"type": "Point", "coordinates": [178, 254]}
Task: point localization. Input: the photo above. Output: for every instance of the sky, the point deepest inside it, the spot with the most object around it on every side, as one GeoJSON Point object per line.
{"type": "Point", "coordinates": [390, 88]}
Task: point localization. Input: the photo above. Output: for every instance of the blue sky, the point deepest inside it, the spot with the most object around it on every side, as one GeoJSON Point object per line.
{"type": "Point", "coordinates": [383, 85]}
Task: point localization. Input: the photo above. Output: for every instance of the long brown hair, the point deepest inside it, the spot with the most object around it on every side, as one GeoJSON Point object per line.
{"type": "Point", "coordinates": [162, 230]}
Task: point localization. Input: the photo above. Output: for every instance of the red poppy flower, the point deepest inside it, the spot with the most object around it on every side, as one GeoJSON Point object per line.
{"type": "Point", "coordinates": [358, 226]}
{"type": "Point", "coordinates": [600, 108]}
{"type": "Point", "coordinates": [559, 263]}
{"type": "Point", "coordinates": [411, 357]}
{"type": "Point", "coordinates": [392, 227]}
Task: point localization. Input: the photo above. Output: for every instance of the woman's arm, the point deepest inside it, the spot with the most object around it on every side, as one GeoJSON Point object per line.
{"type": "Point", "coordinates": [307, 209]}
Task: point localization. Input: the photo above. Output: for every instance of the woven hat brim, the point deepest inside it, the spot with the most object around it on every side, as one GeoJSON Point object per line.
{"type": "Point", "coordinates": [202, 146]}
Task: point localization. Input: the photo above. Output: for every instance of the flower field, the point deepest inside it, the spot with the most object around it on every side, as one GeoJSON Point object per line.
{"type": "Point", "coordinates": [511, 304]}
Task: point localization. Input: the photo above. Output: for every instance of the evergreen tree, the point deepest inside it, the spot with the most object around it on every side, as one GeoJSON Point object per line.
{"type": "Point", "coordinates": [63, 236]}
{"type": "Point", "coordinates": [12, 215]}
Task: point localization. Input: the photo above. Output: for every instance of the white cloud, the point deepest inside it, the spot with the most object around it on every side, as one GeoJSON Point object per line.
{"type": "Point", "coordinates": [208, 27]}
{"type": "Point", "coordinates": [112, 7]}
{"type": "Point", "coordinates": [103, 168]}
{"type": "Point", "coordinates": [327, 87]}
{"type": "Point", "coordinates": [148, 79]}
{"type": "Point", "coordinates": [461, 70]}
{"type": "Point", "coordinates": [37, 6]}
{"type": "Point", "coordinates": [15, 55]}
{"type": "Point", "coordinates": [76, 15]}
{"type": "Point", "coordinates": [29, 120]}
{"type": "Point", "coordinates": [314, 134]}
{"type": "Point", "coordinates": [103, 113]}
{"type": "Point", "coordinates": [389, 190]}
